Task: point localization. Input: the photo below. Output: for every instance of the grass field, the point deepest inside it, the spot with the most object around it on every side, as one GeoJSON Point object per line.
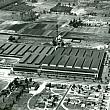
{"type": "Point", "coordinates": [16, 27]}
{"type": "Point", "coordinates": [22, 103]}
{"type": "Point", "coordinates": [3, 84]}
{"type": "Point", "coordinates": [46, 29]}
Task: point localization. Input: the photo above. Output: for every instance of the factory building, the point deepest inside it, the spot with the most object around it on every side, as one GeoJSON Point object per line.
{"type": "Point", "coordinates": [66, 62]}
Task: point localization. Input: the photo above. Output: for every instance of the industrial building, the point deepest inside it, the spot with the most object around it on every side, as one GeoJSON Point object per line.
{"type": "Point", "coordinates": [68, 62]}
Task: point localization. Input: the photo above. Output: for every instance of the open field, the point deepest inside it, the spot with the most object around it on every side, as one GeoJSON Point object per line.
{"type": "Point", "coordinates": [22, 103]}
{"type": "Point", "coordinates": [3, 84]}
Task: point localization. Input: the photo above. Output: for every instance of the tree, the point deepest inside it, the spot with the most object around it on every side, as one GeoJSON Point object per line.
{"type": "Point", "coordinates": [30, 79]}
{"type": "Point", "coordinates": [10, 85]}
{"type": "Point", "coordinates": [62, 43]}
{"type": "Point", "coordinates": [53, 104]}
{"type": "Point", "coordinates": [79, 91]}
{"type": "Point", "coordinates": [73, 86]}
{"type": "Point", "coordinates": [80, 22]}
{"type": "Point", "coordinates": [58, 4]}
{"type": "Point", "coordinates": [69, 4]}
{"type": "Point", "coordinates": [49, 85]}
{"type": "Point", "coordinates": [99, 86]}
{"type": "Point", "coordinates": [11, 38]}
{"type": "Point", "coordinates": [27, 82]}
{"type": "Point", "coordinates": [32, 15]}
{"type": "Point", "coordinates": [106, 87]}
{"type": "Point", "coordinates": [54, 42]}
{"type": "Point", "coordinates": [105, 78]}
{"type": "Point", "coordinates": [84, 79]}
{"type": "Point", "coordinates": [73, 4]}
{"type": "Point", "coordinates": [68, 100]}
{"type": "Point", "coordinates": [44, 12]}
{"type": "Point", "coordinates": [49, 96]}
{"type": "Point", "coordinates": [71, 22]}
{"type": "Point", "coordinates": [15, 81]}
{"type": "Point", "coordinates": [109, 30]}
{"type": "Point", "coordinates": [55, 98]}
{"type": "Point", "coordinates": [28, 16]}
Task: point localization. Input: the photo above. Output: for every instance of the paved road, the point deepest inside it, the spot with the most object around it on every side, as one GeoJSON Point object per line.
{"type": "Point", "coordinates": [63, 98]}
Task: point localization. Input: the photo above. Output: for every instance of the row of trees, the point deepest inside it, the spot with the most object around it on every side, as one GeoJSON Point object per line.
{"type": "Point", "coordinates": [75, 23]}
{"type": "Point", "coordinates": [28, 16]}
{"type": "Point", "coordinates": [58, 43]}
{"type": "Point", "coordinates": [69, 4]}
{"type": "Point", "coordinates": [14, 39]}
{"type": "Point", "coordinates": [16, 88]}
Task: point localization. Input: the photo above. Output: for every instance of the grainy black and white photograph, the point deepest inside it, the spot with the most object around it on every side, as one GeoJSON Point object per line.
{"type": "Point", "coordinates": [54, 54]}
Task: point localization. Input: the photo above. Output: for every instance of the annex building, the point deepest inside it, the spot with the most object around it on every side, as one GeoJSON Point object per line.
{"type": "Point", "coordinates": [66, 62]}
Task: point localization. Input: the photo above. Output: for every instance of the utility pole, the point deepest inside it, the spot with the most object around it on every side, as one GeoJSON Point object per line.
{"type": "Point", "coordinates": [56, 30]}
{"type": "Point", "coordinates": [109, 29]}
{"type": "Point", "coordinates": [55, 42]}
